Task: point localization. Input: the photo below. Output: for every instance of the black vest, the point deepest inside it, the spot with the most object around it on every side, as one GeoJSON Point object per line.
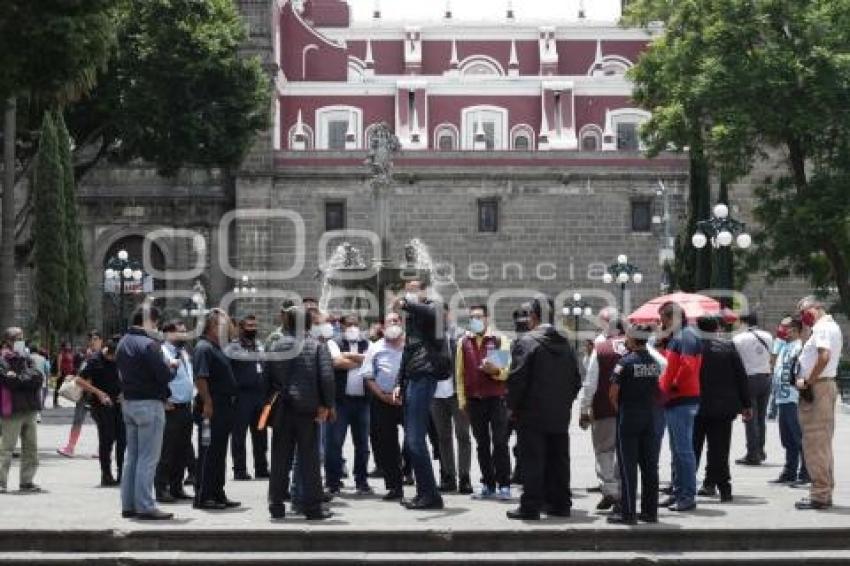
{"type": "Point", "coordinates": [341, 375]}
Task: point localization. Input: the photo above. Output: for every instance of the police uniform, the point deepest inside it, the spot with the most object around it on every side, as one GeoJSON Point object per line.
{"type": "Point", "coordinates": [637, 375]}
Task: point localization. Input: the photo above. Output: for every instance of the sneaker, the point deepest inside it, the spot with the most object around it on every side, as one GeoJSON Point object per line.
{"type": "Point", "coordinates": [504, 493]}
{"type": "Point", "coordinates": [707, 491]}
{"type": "Point", "coordinates": [782, 479]}
{"type": "Point", "coordinates": [30, 488]}
{"type": "Point", "coordinates": [606, 503]}
{"type": "Point", "coordinates": [364, 490]}
{"type": "Point", "coordinates": [485, 493]}
{"type": "Point", "coordinates": [808, 504]}
{"type": "Point", "coordinates": [622, 520]}
{"type": "Point", "coordinates": [65, 452]}
{"type": "Point", "coordinates": [747, 461]}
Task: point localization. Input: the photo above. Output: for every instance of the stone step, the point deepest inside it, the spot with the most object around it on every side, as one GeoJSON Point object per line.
{"type": "Point", "coordinates": [301, 537]}
{"type": "Point", "coordinates": [813, 558]}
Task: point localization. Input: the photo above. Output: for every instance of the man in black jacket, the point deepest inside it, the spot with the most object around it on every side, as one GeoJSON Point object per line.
{"type": "Point", "coordinates": [543, 383]}
{"type": "Point", "coordinates": [18, 412]}
{"type": "Point", "coordinates": [426, 358]}
{"type": "Point", "coordinates": [145, 377]}
{"type": "Point", "coordinates": [249, 370]}
{"type": "Point", "coordinates": [724, 393]}
{"type": "Point", "coordinates": [302, 378]}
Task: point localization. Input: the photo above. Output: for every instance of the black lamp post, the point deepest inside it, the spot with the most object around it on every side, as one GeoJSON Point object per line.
{"type": "Point", "coordinates": [721, 230]}
{"type": "Point", "coordinates": [622, 272]}
{"type": "Point", "coordinates": [122, 269]}
{"type": "Point", "coordinates": [577, 308]}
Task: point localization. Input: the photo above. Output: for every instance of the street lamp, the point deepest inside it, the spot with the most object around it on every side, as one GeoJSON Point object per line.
{"type": "Point", "coordinates": [576, 308]}
{"type": "Point", "coordinates": [622, 272]}
{"type": "Point", "coordinates": [194, 307]}
{"type": "Point", "coordinates": [247, 288]}
{"type": "Point", "coordinates": [122, 269]}
{"type": "Point", "coordinates": [721, 230]}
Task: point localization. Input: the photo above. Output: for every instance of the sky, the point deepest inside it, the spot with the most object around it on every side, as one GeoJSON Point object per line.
{"type": "Point", "coordinates": [477, 10]}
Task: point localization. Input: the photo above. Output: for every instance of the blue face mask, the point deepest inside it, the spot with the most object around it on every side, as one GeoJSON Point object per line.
{"type": "Point", "coordinates": [476, 326]}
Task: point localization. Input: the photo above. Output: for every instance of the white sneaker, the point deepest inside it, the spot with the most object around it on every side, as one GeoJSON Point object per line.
{"type": "Point", "coordinates": [504, 494]}
{"type": "Point", "coordinates": [484, 493]}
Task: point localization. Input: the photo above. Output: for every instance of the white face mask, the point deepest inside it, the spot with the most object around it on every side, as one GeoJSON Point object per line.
{"type": "Point", "coordinates": [316, 331]}
{"type": "Point", "coordinates": [411, 298]}
{"type": "Point", "coordinates": [393, 332]}
{"type": "Point", "coordinates": [20, 347]}
{"type": "Point", "coordinates": [476, 325]}
{"type": "Point", "coordinates": [326, 330]}
{"type": "Point", "coordinates": [352, 334]}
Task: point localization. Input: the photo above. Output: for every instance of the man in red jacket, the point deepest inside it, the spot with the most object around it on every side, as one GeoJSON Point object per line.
{"type": "Point", "coordinates": [680, 387]}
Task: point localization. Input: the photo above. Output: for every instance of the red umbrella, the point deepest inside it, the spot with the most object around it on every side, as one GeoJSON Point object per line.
{"type": "Point", "coordinates": [694, 305]}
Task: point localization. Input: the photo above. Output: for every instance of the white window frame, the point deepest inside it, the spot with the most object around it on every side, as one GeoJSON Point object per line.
{"type": "Point", "coordinates": [325, 114]}
{"type": "Point", "coordinates": [483, 60]}
{"type": "Point", "coordinates": [441, 130]}
{"type": "Point", "coordinates": [628, 116]}
{"type": "Point", "coordinates": [611, 61]}
{"type": "Point", "coordinates": [308, 132]}
{"type": "Point", "coordinates": [525, 130]}
{"type": "Point", "coordinates": [590, 130]}
{"type": "Point", "coordinates": [469, 118]}
{"type": "Point", "coordinates": [356, 70]}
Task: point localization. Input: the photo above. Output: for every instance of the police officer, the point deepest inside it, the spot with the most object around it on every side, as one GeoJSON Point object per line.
{"type": "Point", "coordinates": [215, 410]}
{"type": "Point", "coordinates": [634, 389]}
{"type": "Point", "coordinates": [249, 370]}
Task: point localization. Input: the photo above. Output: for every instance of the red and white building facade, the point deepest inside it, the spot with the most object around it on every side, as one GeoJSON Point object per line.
{"type": "Point", "coordinates": [453, 85]}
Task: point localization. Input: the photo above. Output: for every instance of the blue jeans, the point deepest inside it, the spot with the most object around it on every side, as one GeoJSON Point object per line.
{"type": "Point", "coordinates": [350, 412]}
{"type": "Point", "coordinates": [145, 422]}
{"type": "Point", "coordinates": [680, 425]}
{"type": "Point", "coordinates": [792, 441]}
{"type": "Point", "coordinates": [417, 411]}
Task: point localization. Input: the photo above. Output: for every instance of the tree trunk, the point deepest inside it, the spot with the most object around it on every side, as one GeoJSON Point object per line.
{"type": "Point", "coordinates": [7, 232]}
{"type": "Point", "coordinates": [723, 267]}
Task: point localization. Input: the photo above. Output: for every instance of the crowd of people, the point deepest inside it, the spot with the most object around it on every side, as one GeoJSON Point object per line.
{"type": "Point", "coordinates": [418, 374]}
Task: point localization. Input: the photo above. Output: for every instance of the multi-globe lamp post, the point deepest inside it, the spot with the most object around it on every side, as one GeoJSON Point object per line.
{"type": "Point", "coordinates": [622, 273]}
{"type": "Point", "coordinates": [122, 269]}
{"type": "Point", "coordinates": [577, 307]}
{"type": "Point", "coordinates": [721, 231]}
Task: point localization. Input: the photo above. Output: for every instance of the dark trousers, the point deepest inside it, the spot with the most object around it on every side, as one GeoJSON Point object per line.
{"type": "Point", "coordinates": [296, 433]}
{"type": "Point", "coordinates": [716, 432]}
{"type": "Point", "coordinates": [419, 392]}
{"type": "Point", "coordinates": [791, 435]}
{"type": "Point", "coordinates": [176, 447]}
{"type": "Point", "coordinates": [110, 432]}
{"type": "Point", "coordinates": [386, 420]}
{"type": "Point", "coordinates": [637, 448]}
{"type": "Point", "coordinates": [489, 420]}
{"type": "Point", "coordinates": [351, 412]}
{"type": "Point", "coordinates": [545, 461]}
{"type": "Point", "coordinates": [212, 459]}
{"type": "Point", "coordinates": [756, 427]}
{"type": "Point", "coordinates": [249, 405]}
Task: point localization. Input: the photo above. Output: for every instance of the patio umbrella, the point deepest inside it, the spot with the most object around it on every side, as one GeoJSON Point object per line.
{"type": "Point", "coordinates": [694, 305]}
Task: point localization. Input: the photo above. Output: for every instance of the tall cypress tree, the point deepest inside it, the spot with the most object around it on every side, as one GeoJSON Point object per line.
{"type": "Point", "coordinates": [77, 282]}
{"type": "Point", "coordinates": [49, 236]}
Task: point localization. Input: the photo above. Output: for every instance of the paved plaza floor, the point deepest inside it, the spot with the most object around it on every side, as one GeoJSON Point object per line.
{"type": "Point", "coordinates": [74, 500]}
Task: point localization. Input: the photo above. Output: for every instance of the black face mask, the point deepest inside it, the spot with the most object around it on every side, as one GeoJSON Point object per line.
{"type": "Point", "coordinates": [521, 326]}
{"type": "Point", "coordinates": [249, 334]}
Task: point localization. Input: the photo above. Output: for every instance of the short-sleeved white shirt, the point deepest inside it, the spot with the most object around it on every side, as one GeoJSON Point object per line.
{"type": "Point", "coordinates": [825, 334]}
{"type": "Point", "coordinates": [754, 346]}
{"type": "Point", "coordinates": [354, 385]}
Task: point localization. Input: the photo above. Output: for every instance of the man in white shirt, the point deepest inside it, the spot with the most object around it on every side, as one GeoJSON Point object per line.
{"type": "Point", "coordinates": [816, 380]}
{"type": "Point", "coordinates": [352, 408]}
{"type": "Point", "coordinates": [755, 345]}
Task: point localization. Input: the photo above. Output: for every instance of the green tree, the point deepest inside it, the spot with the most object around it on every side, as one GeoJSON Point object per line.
{"type": "Point", "coordinates": [177, 92]}
{"type": "Point", "coordinates": [77, 281]}
{"type": "Point", "coordinates": [51, 266]}
{"type": "Point", "coordinates": [49, 51]}
{"type": "Point", "coordinates": [768, 75]}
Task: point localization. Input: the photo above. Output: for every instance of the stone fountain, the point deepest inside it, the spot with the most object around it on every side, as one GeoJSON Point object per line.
{"type": "Point", "coordinates": [348, 274]}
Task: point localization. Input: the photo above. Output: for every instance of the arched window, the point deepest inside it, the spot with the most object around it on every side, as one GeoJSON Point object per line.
{"type": "Point", "coordinates": [308, 136]}
{"type": "Point", "coordinates": [590, 138]}
{"type": "Point", "coordinates": [336, 124]}
{"type": "Point", "coordinates": [367, 135]}
{"type": "Point", "coordinates": [492, 121]}
{"type": "Point", "coordinates": [610, 66]}
{"type": "Point", "coordinates": [480, 66]}
{"type": "Point", "coordinates": [356, 70]}
{"type": "Point", "coordinates": [622, 129]}
{"type": "Point", "coordinates": [522, 138]}
{"type": "Point", "coordinates": [445, 137]}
